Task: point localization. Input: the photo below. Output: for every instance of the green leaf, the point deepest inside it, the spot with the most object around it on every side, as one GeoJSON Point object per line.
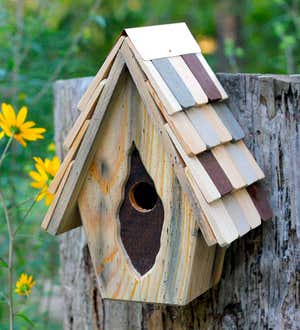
{"type": "Point", "coordinates": [25, 318]}
{"type": "Point", "coordinates": [3, 263]}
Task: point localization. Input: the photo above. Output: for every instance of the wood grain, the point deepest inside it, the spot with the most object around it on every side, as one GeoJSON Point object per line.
{"type": "Point", "coordinates": [56, 199]}
{"type": "Point", "coordinates": [101, 74]}
{"type": "Point", "coordinates": [229, 121]}
{"type": "Point", "coordinates": [61, 215]}
{"type": "Point", "coordinates": [200, 176]}
{"type": "Point", "coordinates": [248, 207]}
{"type": "Point", "coordinates": [203, 127]}
{"type": "Point", "coordinates": [84, 115]}
{"type": "Point", "coordinates": [186, 133]}
{"type": "Point", "coordinates": [216, 214]}
{"type": "Point", "coordinates": [68, 159]}
{"type": "Point", "coordinates": [174, 82]}
{"type": "Point", "coordinates": [215, 172]}
{"type": "Point", "coordinates": [260, 201]}
{"type": "Point", "coordinates": [154, 108]}
{"type": "Point", "coordinates": [212, 76]}
{"type": "Point", "coordinates": [202, 77]}
{"type": "Point", "coordinates": [226, 162]}
{"type": "Point", "coordinates": [254, 265]}
{"type": "Point", "coordinates": [164, 40]}
{"type": "Point", "coordinates": [189, 79]}
{"type": "Point", "coordinates": [140, 229]}
{"type": "Point", "coordinates": [167, 98]}
{"type": "Point", "coordinates": [177, 276]}
{"type": "Point", "coordinates": [236, 213]}
{"type": "Point", "coordinates": [242, 163]}
{"type": "Point", "coordinates": [259, 173]}
{"type": "Point", "coordinates": [217, 124]}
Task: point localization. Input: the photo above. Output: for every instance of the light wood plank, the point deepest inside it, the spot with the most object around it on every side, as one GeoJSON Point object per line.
{"type": "Point", "coordinates": [226, 162]}
{"type": "Point", "coordinates": [241, 162]}
{"type": "Point", "coordinates": [236, 213]}
{"type": "Point", "coordinates": [56, 199]}
{"type": "Point", "coordinates": [202, 76]}
{"type": "Point", "coordinates": [167, 98]}
{"type": "Point", "coordinates": [248, 207]}
{"type": "Point", "coordinates": [181, 125]}
{"type": "Point", "coordinates": [259, 173]}
{"type": "Point", "coordinates": [84, 157]}
{"type": "Point", "coordinates": [199, 174]}
{"type": "Point", "coordinates": [215, 171]}
{"type": "Point", "coordinates": [84, 115]}
{"type": "Point", "coordinates": [163, 40]}
{"type": "Point", "coordinates": [212, 117]}
{"type": "Point", "coordinates": [67, 160]}
{"type": "Point", "coordinates": [203, 127]}
{"type": "Point", "coordinates": [228, 120]}
{"type": "Point", "coordinates": [174, 82]}
{"type": "Point", "coordinates": [101, 74]}
{"type": "Point", "coordinates": [187, 134]}
{"type": "Point", "coordinates": [189, 80]}
{"type": "Point", "coordinates": [216, 214]}
{"type": "Point", "coordinates": [212, 76]}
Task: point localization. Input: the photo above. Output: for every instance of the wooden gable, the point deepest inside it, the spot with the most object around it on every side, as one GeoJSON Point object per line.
{"type": "Point", "coordinates": [203, 141]}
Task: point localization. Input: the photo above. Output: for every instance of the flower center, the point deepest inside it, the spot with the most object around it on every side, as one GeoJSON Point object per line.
{"type": "Point", "coordinates": [24, 288]}
{"type": "Point", "coordinates": [50, 178]}
{"type": "Point", "coordinates": [15, 130]}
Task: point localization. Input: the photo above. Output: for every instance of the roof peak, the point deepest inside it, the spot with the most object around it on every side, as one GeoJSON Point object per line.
{"type": "Point", "coordinates": [160, 41]}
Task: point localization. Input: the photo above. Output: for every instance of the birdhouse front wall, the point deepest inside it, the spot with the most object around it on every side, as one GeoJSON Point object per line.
{"type": "Point", "coordinates": [184, 265]}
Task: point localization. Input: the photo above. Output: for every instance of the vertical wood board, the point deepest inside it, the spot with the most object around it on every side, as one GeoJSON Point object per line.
{"type": "Point", "coordinates": [101, 197]}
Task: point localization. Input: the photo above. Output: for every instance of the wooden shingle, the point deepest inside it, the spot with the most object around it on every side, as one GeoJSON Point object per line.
{"type": "Point", "coordinates": [187, 104]}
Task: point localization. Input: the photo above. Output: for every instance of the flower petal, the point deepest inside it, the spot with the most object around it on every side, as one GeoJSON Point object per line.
{"type": "Point", "coordinates": [9, 114]}
{"type": "Point", "coordinates": [21, 116]}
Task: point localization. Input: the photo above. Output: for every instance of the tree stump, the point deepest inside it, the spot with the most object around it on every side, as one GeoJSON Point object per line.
{"type": "Point", "coordinates": [259, 288]}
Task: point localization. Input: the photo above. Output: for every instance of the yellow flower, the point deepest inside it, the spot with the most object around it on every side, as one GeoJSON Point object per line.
{"type": "Point", "coordinates": [24, 285]}
{"type": "Point", "coordinates": [208, 45]}
{"type": "Point", "coordinates": [44, 174]}
{"type": "Point", "coordinates": [15, 125]}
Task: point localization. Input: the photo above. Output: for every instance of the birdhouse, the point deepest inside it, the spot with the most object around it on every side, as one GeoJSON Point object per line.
{"type": "Point", "coordinates": [157, 166]}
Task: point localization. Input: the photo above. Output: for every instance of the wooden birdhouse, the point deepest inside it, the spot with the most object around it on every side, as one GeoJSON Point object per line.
{"type": "Point", "coordinates": [157, 166]}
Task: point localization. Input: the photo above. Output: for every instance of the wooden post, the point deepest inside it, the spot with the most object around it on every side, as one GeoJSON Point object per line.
{"type": "Point", "coordinates": [260, 280]}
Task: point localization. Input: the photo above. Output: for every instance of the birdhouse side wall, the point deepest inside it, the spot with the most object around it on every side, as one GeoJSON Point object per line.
{"type": "Point", "coordinates": [184, 266]}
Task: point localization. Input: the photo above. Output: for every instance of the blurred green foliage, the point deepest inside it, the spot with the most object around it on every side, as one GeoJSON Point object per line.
{"type": "Point", "coordinates": [42, 41]}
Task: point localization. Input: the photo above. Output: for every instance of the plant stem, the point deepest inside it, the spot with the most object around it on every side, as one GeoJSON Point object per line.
{"type": "Point", "coordinates": [10, 262]}
{"type": "Point", "coordinates": [26, 215]}
{"type": "Point", "coordinates": [4, 153]}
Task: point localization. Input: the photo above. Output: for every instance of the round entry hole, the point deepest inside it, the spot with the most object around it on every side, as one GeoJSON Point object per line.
{"type": "Point", "coordinates": [143, 196]}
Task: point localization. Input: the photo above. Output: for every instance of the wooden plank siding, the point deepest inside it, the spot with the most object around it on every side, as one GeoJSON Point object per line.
{"type": "Point", "coordinates": [215, 172]}
{"type": "Point", "coordinates": [203, 127]}
{"type": "Point", "coordinates": [228, 120]}
{"type": "Point", "coordinates": [174, 82]}
{"type": "Point", "coordinates": [202, 77]}
{"type": "Point", "coordinates": [260, 201]}
{"type": "Point", "coordinates": [189, 79]}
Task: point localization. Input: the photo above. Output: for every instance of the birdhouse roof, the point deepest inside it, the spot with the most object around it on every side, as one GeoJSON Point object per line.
{"type": "Point", "coordinates": [187, 103]}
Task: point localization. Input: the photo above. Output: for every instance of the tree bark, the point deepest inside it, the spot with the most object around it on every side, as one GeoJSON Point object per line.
{"type": "Point", "coordinates": [259, 288]}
